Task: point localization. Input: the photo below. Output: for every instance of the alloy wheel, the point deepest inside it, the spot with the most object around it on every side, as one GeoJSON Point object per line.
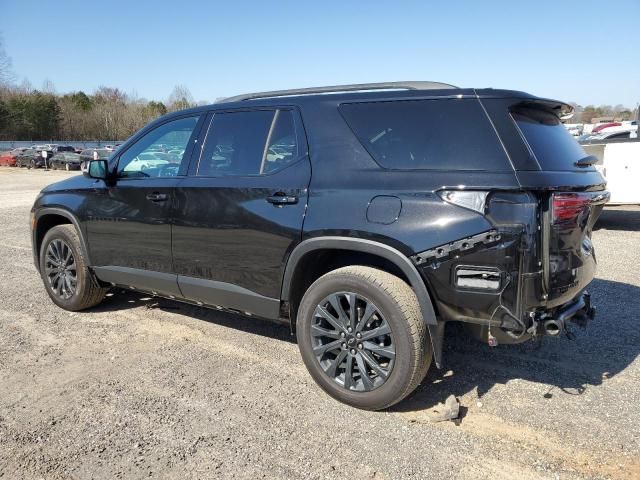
{"type": "Point", "coordinates": [352, 341]}
{"type": "Point", "coordinates": [60, 269]}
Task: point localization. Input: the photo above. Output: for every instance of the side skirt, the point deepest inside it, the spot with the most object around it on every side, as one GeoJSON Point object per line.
{"type": "Point", "coordinates": [193, 290]}
{"type": "Point", "coordinates": [230, 296]}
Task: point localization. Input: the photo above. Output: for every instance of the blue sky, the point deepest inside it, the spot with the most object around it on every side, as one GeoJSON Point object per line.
{"type": "Point", "coordinates": [584, 51]}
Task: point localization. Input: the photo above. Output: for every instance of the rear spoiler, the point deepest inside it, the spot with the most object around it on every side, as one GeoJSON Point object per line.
{"type": "Point", "coordinates": [562, 110]}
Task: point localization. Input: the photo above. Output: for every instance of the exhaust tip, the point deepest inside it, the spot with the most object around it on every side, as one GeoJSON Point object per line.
{"type": "Point", "coordinates": [553, 327]}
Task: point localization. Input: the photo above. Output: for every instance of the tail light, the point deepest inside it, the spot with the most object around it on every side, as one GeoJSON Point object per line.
{"type": "Point", "coordinates": [566, 207]}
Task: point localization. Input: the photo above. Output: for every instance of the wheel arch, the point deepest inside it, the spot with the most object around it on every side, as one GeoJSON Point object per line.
{"type": "Point", "coordinates": [381, 250]}
{"type": "Point", "coordinates": [395, 258]}
{"type": "Point", "coordinates": [47, 218]}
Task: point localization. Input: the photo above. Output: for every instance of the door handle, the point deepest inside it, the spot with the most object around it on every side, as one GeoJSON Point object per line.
{"type": "Point", "coordinates": [280, 198]}
{"type": "Point", "coordinates": [157, 197]}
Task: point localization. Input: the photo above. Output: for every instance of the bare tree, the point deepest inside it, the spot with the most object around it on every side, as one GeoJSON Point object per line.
{"type": "Point", "coordinates": [180, 99]}
{"type": "Point", "coordinates": [48, 86]}
{"type": "Point", "coordinates": [25, 86]}
{"type": "Point", "coordinates": [6, 74]}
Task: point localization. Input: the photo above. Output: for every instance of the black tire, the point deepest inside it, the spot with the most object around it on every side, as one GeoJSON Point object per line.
{"type": "Point", "coordinates": [87, 293]}
{"type": "Point", "coordinates": [398, 306]}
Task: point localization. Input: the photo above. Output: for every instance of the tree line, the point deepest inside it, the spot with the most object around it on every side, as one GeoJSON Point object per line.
{"type": "Point", "coordinates": [106, 114]}
{"type": "Point", "coordinates": [111, 114]}
{"type": "Point", "coordinates": [588, 113]}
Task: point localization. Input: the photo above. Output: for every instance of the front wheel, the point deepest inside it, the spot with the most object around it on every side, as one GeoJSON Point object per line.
{"type": "Point", "coordinates": [362, 337]}
{"type": "Point", "coordinates": [65, 272]}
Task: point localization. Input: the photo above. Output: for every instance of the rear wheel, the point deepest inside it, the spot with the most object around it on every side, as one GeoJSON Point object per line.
{"type": "Point", "coordinates": [362, 337]}
{"type": "Point", "coordinates": [64, 271]}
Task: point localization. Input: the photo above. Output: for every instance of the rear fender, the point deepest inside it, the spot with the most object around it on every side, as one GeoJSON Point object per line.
{"type": "Point", "coordinates": [375, 248]}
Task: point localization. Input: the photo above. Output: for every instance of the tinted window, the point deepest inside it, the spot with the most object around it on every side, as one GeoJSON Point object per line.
{"type": "Point", "coordinates": [159, 153]}
{"type": "Point", "coordinates": [427, 134]}
{"type": "Point", "coordinates": [282, 148]}
{"type": "Point", "coordinates": [553, 147]}
{"type": "Point", "coordinates": [248, 143]}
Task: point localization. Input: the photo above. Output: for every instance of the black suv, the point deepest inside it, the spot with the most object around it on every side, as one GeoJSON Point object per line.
{"type": "Point", "coordinates": [32, 158]}
{"type": "Point", "coordinates": [364, 216]}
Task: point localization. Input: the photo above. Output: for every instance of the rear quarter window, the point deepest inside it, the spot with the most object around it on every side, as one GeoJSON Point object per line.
{"type": "Point", "coordinates": [549, 141]}
{"type": "Point", "coordinates": [442, 134]}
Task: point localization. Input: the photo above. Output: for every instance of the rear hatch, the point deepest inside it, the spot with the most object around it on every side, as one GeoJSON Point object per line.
{"type": "Point", "coordinates": [550, 163]}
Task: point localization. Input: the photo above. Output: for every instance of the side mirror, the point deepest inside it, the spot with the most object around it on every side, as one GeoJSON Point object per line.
{"type": "Point", "coordinates": [97, 169]}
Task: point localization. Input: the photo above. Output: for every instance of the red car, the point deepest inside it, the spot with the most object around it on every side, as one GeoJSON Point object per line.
{"type": "Point", "coordinates": [8, 159]}
{"type": "Point", "coordinates": [605, 125]}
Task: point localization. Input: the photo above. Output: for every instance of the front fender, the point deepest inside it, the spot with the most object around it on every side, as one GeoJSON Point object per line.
{"type": "Point", "coordinates": [38, 214]}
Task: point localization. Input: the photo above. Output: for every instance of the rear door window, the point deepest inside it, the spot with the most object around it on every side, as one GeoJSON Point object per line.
{"type": "Point", "coordinates": [549, 141]}
{"type": "Point", "coordinates": [248, 143]}
{"type": "Point", "coordinates": [443, 134]}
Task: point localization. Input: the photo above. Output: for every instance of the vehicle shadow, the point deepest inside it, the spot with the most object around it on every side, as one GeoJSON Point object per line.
{"type": "Point", "coordinates": [607, 346]}
{"type": "Point", "coordinates": [123, 299]}
{"type": "Point", "coordinates": [619, 218]}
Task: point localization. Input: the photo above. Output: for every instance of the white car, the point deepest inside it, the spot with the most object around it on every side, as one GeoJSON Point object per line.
{"type": "Point", "coordinates": [145, 161]}
{"type": "Point", "coordinates": [613, 133]}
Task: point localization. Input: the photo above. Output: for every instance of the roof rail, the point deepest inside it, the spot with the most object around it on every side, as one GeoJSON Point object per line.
{"type": "Point", "coordinates": [341, 88]}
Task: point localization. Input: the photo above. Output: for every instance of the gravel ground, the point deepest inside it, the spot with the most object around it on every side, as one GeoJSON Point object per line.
{"type": "Point", "coordinates": [142, 387]}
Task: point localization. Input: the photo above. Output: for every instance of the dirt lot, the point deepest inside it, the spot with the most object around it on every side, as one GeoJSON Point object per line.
{"type": "Point", "coordinates": [141, 387]}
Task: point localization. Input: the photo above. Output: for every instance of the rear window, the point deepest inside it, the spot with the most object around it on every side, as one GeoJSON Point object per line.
{"type": "Point", "coordinates": [550, 142]}
{"type": "Point", "coordinates": [445, 134]}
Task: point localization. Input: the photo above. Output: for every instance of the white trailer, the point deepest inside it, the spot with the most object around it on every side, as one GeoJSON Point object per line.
{"type": "Point", "coordinates": [619, 163]}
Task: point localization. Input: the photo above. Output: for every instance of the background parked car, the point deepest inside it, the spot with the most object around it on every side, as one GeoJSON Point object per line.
{"type": "Point", "coordinates": [63, 148]}
{"type": "Point", "coordinates": [87, 154]}
{"type": "Point", "coordinates": [65, 161]}
{"type": "Point", "coordinates": [602, 126]}
{"type": "Point", "coordinates": [8, 159]}
{"type": "Point", "coordinates": [30, 158]}
{"type": "Point", "coordinates": [612, 133]}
